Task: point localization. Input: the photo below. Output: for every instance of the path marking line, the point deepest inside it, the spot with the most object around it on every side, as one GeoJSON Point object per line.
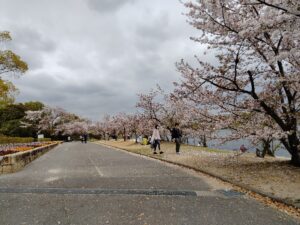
{"type": "Point", "coordinates": [157, 192]}
{"type": "Point", "coordinates": [96, 167]}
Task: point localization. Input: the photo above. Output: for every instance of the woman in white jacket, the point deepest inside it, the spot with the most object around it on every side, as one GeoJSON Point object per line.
{"type": "Point", "coordinates": [155, 140]}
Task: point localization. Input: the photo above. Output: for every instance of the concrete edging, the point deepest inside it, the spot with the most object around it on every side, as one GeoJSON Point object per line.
{"type": "Point", "coordinates": [14, 162]}
{"type": "Point", "coordinates": [244, 187]}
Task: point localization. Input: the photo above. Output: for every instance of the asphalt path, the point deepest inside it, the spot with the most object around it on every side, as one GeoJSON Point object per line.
{"type": "Point", "coordinates": [89, 184]}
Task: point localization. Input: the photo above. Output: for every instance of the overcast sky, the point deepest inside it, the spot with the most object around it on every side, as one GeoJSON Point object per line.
{"type": "Point", "coordinates": [92, 57]}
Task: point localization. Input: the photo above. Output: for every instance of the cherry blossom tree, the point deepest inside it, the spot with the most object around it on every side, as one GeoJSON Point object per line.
{"type": "Point", "coordinates": [45, 119]}
{"type": "Point", "coordinates": [168, 109]}
{"type": "Point", "coordinates": [74, 128]}
{"type": "Point", "coordinates": [97, 130]}
{"type": "Point", "coordinates": [125, 124]}
{"type": "Point", "coordinates": [145, 125]}
{"type": "Point", "coordinates": [257, 67]}
{"type": "Point", "coordinates": [53, 121]}
{"type": "Point", "coordinates": [134, 121]}
{"type": "Point", "coordinates": [106, 124]}
{"type": "Point", "coordinates": [151, 108]}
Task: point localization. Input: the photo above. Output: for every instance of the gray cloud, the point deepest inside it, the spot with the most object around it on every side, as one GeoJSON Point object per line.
{"type": "Point", "coordinates": [31, 45]}
{"type": "Point", "coordinates": [95, 62]}
{"type": "Point", "coordinates": [27, 38]}
{"type": "Point", "coordinates": [106, 6]}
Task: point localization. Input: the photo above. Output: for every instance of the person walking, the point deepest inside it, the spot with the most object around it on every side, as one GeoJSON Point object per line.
{"type": "Point", "coordinates": [155, 140]}
{"type": "Point", "coordinates": [85, 137]}
{"type": "Point", "coordinates": [176, 134]}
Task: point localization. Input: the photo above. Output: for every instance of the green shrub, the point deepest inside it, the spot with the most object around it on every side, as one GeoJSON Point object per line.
{"type": "Point", "coordinates": [43, 139]}
{"type": "Point", "coordinates": [9, 140]}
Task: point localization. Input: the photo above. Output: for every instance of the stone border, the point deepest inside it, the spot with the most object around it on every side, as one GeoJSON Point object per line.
{"type": "Point", "coordinates": [241, 186]}
{"type": "Point", "coordinates": [14, 162]}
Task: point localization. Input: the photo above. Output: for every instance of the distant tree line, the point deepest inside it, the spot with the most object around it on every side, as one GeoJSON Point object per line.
{"type": "Point", "coordinates": [12, 116]}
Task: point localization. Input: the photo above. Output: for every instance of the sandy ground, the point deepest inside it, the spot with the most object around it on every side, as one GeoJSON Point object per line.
{"type": "Point", "coordinates": [274, 176]}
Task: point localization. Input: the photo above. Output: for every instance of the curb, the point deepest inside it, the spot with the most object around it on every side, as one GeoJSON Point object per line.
{"type": "Point", "coordinates": [14, 162]}
{"type": "Point", "coordinates": [243, 187]}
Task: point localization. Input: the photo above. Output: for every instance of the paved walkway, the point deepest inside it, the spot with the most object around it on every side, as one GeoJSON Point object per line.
{"type": "Point", "coordinates": [87, 184]}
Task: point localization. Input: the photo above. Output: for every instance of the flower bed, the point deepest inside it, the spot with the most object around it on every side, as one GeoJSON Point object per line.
{"type": "Point", "coordinates": [6, 149]}
{"type": "Point", "coordinates": [15, 156]}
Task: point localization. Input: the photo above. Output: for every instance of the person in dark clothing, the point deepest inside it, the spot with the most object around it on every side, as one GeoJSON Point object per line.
{"type": "Point", "coordinates": [176, 135]}
{"type": "Point", "coordinates": [85, 136]}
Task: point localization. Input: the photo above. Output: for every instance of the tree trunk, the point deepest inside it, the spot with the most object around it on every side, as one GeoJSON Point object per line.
{"type": "Point", "coordinates": [136, 137]}
{"type": "Point", "coordinates": [267, 147]}
{"type": "Point", "coordinates": [296, 158]}
{"type": "Point", "coordinates": [295, 149]}
{"type": "Point", "coordinates": [204, 141]}
{"type": "Point", "coordinates": [125, 136]}
{"type": "Point", "coordinates": [292, 144]}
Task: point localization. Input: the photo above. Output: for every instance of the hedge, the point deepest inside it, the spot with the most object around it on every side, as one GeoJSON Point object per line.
{"type": "Point", "coordinates": [9, 140]}
{"type": "Point", "coordinates": [44, 139]}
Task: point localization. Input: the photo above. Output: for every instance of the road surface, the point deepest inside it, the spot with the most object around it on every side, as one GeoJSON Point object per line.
{"type": "Point", "coordinates": [89, 184]}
